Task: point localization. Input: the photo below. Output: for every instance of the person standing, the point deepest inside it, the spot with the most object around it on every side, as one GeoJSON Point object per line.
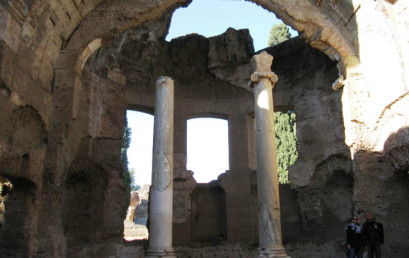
{"type": "Point", "coordinates": [354, 238]}
{"type": "Point", "coordinates": [373, 236]}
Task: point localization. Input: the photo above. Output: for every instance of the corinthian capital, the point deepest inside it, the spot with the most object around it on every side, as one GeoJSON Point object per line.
{"type": "Point", "coordinates": [261, 65]}
{"type": "Point", "coordinates": [261, 62]}
{"type": "Point", "coordinates": [261, 75]}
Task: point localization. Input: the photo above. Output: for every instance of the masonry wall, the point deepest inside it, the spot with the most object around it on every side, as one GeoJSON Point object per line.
{"type": "Point", "coordinates": [61, 118]}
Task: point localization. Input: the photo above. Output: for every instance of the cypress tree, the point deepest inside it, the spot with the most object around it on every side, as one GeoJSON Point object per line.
{"type": "Point", "coordinates": [286, 142]}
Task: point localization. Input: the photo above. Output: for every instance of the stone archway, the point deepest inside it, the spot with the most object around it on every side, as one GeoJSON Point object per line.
{"type": "Point", "coordinates": [42, 42]}
{"type": "Point", "coordinates": [89, 81]}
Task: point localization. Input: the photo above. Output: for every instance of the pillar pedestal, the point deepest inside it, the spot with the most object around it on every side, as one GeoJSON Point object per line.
{"type": "Point", "coordinates": [160, 252]}
{"type": "Point", "coordinates": [270, 238]}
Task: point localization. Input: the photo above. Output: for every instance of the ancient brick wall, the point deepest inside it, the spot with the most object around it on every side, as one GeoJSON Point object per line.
{"type": "Point", "coordinates": [58, 112]}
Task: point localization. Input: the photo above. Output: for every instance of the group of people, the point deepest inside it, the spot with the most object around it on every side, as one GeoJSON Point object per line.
{"type": "Point", "coordinates": [368, 237]}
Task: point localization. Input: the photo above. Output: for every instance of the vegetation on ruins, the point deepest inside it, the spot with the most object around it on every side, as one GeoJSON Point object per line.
{"type": "Point", "coordinates": [286, 141]}
{"type": "Point", "coordinates": [278, 34]}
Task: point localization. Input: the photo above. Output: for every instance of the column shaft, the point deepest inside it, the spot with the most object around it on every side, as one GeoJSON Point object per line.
{"type": "Point", "coordinates": [267, 177]}
{"type": "Point", "coordinates": [161, 192]}
{"type": "Point", "coordinates": [270, 238]}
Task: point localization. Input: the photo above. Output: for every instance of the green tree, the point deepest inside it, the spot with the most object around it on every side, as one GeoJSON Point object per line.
{"type": "Point", "coordinates": [134, 185]}
{"type": "Point", "coordinates": [286, 142]}
{"type": "Point", "coordinates": [126, 141]}
{"type": "Point", "coordinates": [278, 34]}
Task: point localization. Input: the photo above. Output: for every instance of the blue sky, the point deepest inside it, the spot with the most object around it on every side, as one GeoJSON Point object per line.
{"type": "Point", "coordinates": [208, 18]}
{"type": "Point", "coordinates": [213, 17]}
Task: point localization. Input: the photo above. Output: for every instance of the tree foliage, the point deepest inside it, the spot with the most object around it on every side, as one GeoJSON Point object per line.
{"type": "Point", "coordinates": [278, 34]}
{"type": "Point", "coordinates": [286, 142]}
{"type": "Point", "coordinates": [134, 185]}
{"type": "Point", "coordinates": [126, 141]}
{"type": "Point", "coordinates": [128, 174]}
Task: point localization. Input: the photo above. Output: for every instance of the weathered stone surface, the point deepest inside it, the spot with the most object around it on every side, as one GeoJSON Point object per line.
{"type": "Point", "coordinates": [61, 127]}
{"type": "Point", "coordinates": [135, 199]}
{"type": "Point", "coordinates": [208, 218]}
{"type": "Point", "coordinates": [228, 56]}
{"type": "Point", "coordinates": [269, 217]}
{"type": "Point", "coordinates": [161, 191]}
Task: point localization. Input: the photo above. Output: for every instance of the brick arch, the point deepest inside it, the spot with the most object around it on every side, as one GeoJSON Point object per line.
{"type": "Point", "coordinates": [313, 23]}
{"type": "Point", "coordinates": [66, 47]}
{"type": "Point", "coordinates": [107, 24]}
{"type": "Point", "coordinates": [61, 33]}
{"type": "Point", "coordinates": [75, 26]}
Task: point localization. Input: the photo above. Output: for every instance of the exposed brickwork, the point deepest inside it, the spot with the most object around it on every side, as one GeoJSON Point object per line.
{"type": "Point", "coordinates": [363, 125]}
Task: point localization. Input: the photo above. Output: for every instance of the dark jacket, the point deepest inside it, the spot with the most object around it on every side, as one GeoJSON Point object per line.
{"type": "Point", "coordinates": [354, 235]}
{"type": "Point", "coordinates": [371, 235]}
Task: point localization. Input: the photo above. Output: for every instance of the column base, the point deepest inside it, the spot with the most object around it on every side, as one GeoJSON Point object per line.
{"type": "Point", "coordinates": [157, 252]}
{"type": "Point", "coordinates": [272, 253]}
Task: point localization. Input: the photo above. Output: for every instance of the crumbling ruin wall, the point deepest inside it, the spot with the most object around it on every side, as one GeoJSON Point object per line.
{"type": "Point", "coordinates": [51, 106]}
{"type": "Point", "coordinates": [199, 94]}
{"type": "Point", "coordinates": [305, 75]}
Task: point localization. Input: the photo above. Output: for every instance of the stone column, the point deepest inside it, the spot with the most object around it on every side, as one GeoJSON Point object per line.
{"type": "Point", "coordinates": [270, 239]}
{"type": "Point", "coordinates": [161, 191]}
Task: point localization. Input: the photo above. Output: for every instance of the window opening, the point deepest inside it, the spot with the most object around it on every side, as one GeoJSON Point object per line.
{"type": "Point", "coordinates": [207, 148]}
{"type": "Point", "coordinates": [139, 155]}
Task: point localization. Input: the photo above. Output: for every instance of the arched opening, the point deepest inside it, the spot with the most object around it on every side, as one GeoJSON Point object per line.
{"type": "Point", "coordinates": [59, 90]}
{"type": "Point", "coordinates": [207, 148]}
{"type": "Point", "coordinates": [139, 155]}
{"type": "Point", "coordinates": [127, 67]}
{"type": "Point", "coordinates": [215, 97]}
